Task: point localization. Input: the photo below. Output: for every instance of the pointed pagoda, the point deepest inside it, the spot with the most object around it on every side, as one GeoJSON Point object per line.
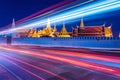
{"type": "Point", "coordinates": [48, 24]}
{"type": "Point", "coordinates": [13, 26]}
{"type": "Point", "coordinates": [48, 29]}
{"type": "Point", "coordinates": [54, 29]}
{"type": "Point", "coordinates": [13, 23]}
{"type": "Point", "coordinates": [82, 24]}
{"type": "Point", "coordinates": [64, 32]}
{"type": "Point", "coordinates": [15, 34]}
{"type": "Point", "coordinates": [55, 33]}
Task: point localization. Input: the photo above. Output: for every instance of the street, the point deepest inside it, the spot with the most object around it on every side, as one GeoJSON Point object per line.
{"type": "Point", "coordinates": [45, 63]}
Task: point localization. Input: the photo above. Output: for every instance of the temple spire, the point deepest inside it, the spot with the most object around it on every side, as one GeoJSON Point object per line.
{"type": "Point", "coordinates": [15, 34]}
{"type": "Point", "coordinates": [82, 24]}
{"type": "Point", "coordinates": [13, 23]}
{"type": "Point", "coordinates": [64, 32]}
{"type": "Point", "coordinates": [54, 29]}
{"type": "Point", "coordinates": [48, 24]}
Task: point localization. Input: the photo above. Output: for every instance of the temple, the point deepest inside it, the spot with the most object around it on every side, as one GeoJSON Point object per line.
{"type": "Point", "coordinates": [64, 32]}
{"type": "Point", "coordinates": [46, 32]}
{"type": "Point", "coordinates": [16, 34]}
{"type": "Point", "coordinates": [19, 33]}
{"type": "Point", "coordinates": [99, 31]}
{"type": "Point", "coordinates": [82, 30]}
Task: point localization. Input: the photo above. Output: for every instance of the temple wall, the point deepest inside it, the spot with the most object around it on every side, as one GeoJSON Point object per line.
{"type": "Point", "coordinates": [81, 42]}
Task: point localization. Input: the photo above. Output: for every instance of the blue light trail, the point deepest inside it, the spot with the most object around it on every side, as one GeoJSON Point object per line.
{"type": "Point", "coordinates": [83, 11]}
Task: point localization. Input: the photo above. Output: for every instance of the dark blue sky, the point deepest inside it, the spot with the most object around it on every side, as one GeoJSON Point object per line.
{"type": "Point", "coordinates": [19, 9]}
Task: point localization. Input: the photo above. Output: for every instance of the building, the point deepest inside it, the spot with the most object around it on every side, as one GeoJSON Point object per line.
{"type": "Point", "coordinates": [48, 31]}
{"type": "Point", "coordinates": [19, 33]}
{"type": "Point", "coordinates": [99, 31]}
{"type": "Point", "coordinates": [64, 32]}
{"type": "Point", "coordinates": [82, 30]}
{"type": "Point", "coordinates": [15, 34]}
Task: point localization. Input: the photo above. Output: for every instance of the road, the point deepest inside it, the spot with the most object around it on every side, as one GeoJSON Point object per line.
{"type": "Point", "coordinates": [42, 63]}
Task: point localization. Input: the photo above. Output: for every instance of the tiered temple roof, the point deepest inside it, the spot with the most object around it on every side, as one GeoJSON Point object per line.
{"type": "Point", "coordinates": [92, 30]}
{"type": "Point", "coordinates": [64, 32]}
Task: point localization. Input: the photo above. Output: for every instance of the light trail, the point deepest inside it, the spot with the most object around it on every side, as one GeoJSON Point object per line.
{"type": "Point", "coordinates": [94, 56]}
{"type": "Point", "coordinates": [99, 7]}
{"type": "Point", "coordinates": [82, 54]}
{"type": "Point", "coordinates": [18, 78]}
{"type": "Point", "coordinates": [30, 65]}
{"type": "Point", "coordinates": [42, 11]}
{"type": "Point", "coordinates": [58, 10]}
{"type": "Point", "coordinates": [89, 56]}
{"type": "Point", "coordinates": [88, 65]}
{"type": "Point", "coordinates": [51, 12]}
{"type": "Point", "coordinates": [24, 69]}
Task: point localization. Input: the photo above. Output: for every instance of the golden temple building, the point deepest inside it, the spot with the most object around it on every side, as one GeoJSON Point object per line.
{"type": "Point", "coordinates": [48, 31]}
{"type": "Point", "coordinates": [64, 32]}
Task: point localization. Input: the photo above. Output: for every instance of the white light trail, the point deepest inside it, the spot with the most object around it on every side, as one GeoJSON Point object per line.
{"type": "Point", "coordinates": [100, 7]}
{"type": "Point", "coordinates": [58, 10]}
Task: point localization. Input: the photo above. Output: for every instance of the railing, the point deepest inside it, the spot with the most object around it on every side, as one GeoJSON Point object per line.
{"type": "Point", "coordinates": [79, 38]}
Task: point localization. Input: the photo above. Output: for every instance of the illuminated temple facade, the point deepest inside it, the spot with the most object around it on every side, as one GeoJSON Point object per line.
{"type": "Point", "coordinates": [82, 30]}
{"type": "Point", "coordinates": [99, 31]}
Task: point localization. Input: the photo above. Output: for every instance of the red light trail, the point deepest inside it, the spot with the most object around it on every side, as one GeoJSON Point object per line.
{"type": "Point", "coordinates": [89, 56]}
{"type": "Point", "coordinates": [80, 63]}
{"type": "Point", "coordinates": [30, 65]}
{"type": "Point", "coordinates": [24, 69]}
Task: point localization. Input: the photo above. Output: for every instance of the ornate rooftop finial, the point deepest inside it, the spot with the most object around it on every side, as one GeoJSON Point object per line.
{"type": "Point", "coordinates": [82, 24]}
{"type": "Point", "coordinates": [48, 24]}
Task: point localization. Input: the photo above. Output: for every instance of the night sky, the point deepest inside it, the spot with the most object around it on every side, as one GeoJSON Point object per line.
{"type": "Point", "coordinates": [19, 9]}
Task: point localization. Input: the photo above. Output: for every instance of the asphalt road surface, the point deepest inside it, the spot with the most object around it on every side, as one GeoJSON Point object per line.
{"type": "Point", "coordinates": [42, 63]}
